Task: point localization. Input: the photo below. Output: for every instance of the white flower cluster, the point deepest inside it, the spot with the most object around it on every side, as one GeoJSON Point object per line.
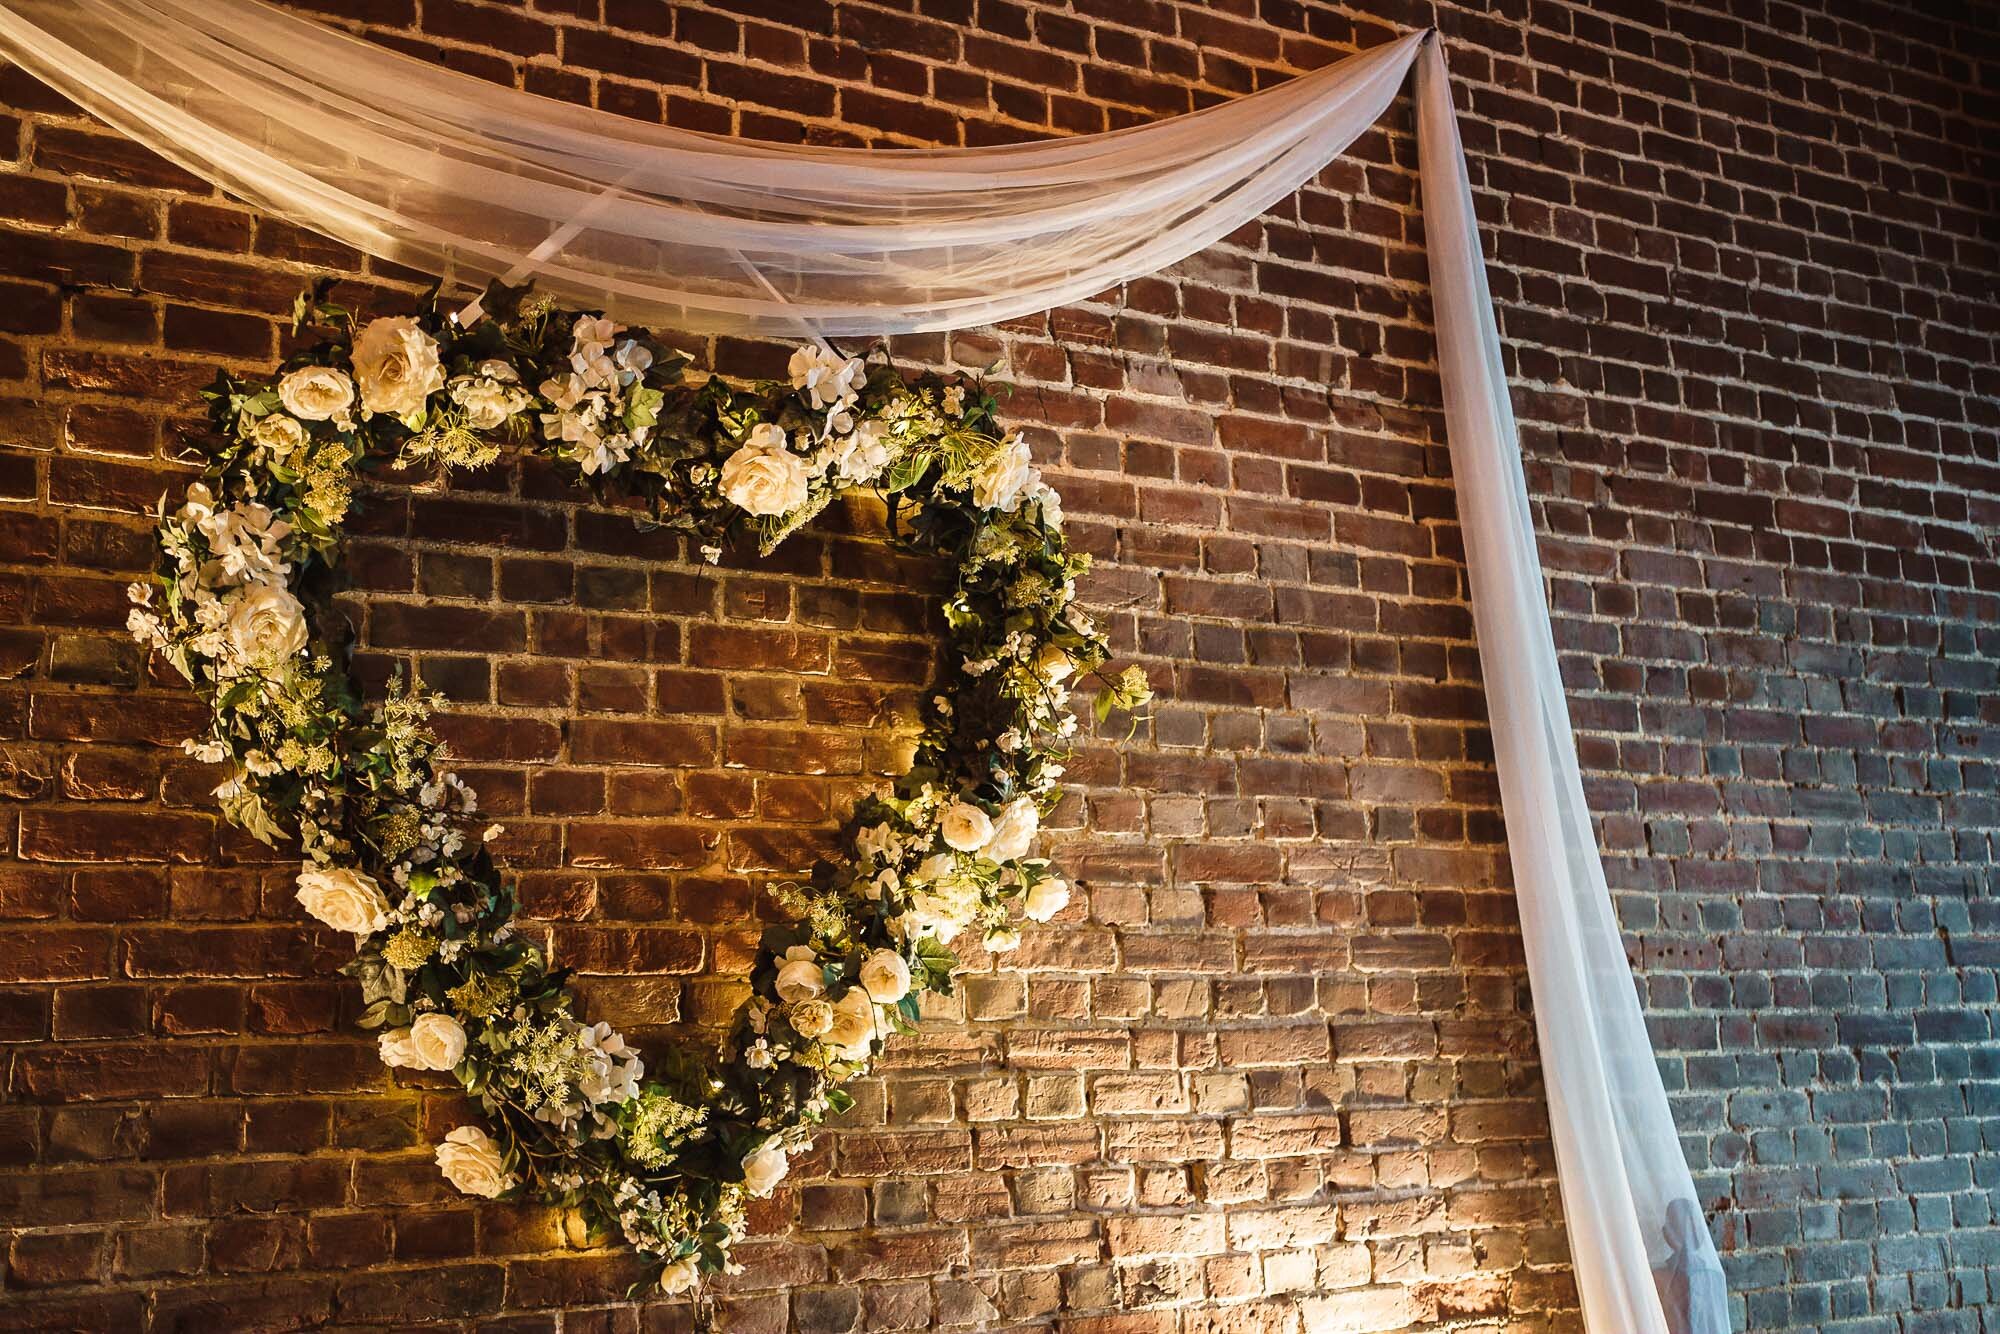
{"type": "Point", "coordinates": [772, 473]}
{"type": "Point", "coordinates": [597, 418]}
{"type": "Point", "coordinates": [231, 572]}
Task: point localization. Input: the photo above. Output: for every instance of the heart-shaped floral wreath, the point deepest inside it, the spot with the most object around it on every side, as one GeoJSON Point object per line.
{"type": "Point", "coordinates": [662, 1154]}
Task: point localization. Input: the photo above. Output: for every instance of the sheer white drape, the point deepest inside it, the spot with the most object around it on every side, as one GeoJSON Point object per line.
{"type": "Point", "coordinates": [430, 169]}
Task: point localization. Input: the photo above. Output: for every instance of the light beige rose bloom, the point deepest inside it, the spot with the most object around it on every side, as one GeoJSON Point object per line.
{"type": "Point", "coordinates": [764, 1169]}
{"type": "Point", "coordinates": [800, 979]}
{"type": "Point", "coordinates": [343, 898]}
{"type": "Point", "coordinates": [679, 1277]}
{"type": "Point", "coordinates": [396, 365]}
{"type": "Point", "coordinates": [1014, 831]}
{"type": "Point", "coordinates": [1002, 939]}
{"type": "Point", "coordinates": [999, 484]}
{"type": "Point", "coordinates": [1045, 900]}
{"type": "Point", "coordinates": [397, 1052]}
{"type": "Point", "coordinates": [763, 476]}
{"type": "Point", "coordinates": [438, 1041]}
{"type": "Point", "coordinates": [854, 1024]}
{"type": "Point", "coordinates": [316, 393]}
{"type": "Point", "coordinates": [266, 625]}
{"type": "Point", "coordinates": [966, 827]}
{"type": "Point", "coordinates": [470, 1160]}
{"type": "Point", "coordinates": [886, 977]}
{"type": "Point", "coordinates": [278, 432]}
{"type": "Point", "coordinates": [810, 1018]}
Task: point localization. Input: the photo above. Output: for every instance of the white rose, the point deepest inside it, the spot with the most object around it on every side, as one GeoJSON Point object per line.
{"type": "Point", "coordinates": [937, 866]}
{"type": "Point", "coordinates": [344, 899]}
{"type": "Point", "coordinates": [396, 365]}
{"type": "Point", "coordinates": [679, 1276]}
{"type": "Point", "coordinates": [1014, 831]}
{"type": "Point", "coordinates": [966, 827]}
{"type": "Point", "coordinates": [471, 1161]}
{"type": "Point", "coordinates": [764, 1169]}
{"type": "Point", "coordinates": [810, 1018]}
{"type": "Point", "coordinates": [1045, 900]}
{"type": "Point", "coordinates": [854, 1024]}
{"type": "Point", "coordinates": [438, 1040]}
{"type": "Point", "coordinates": [277, 432]}
{"type": "Point", "coordinates": [999, 484]}
{"type": "Point", "coordinates": [800, 979]}
{"type": "Point", "coordinates": [1001, 939]}
{"type": "Point", "coordinates": [266, 625]}
{"type": "Point", "coordinates": [396, 1051]}
{"type": "Point", "coordinates": [1053, 665]}
{"type": "Point", "coordinates": [316, 393]}
{"type": "Point", "coordinates": [886, 977]}
{"type": "Point", "coordinates": [763, 476]}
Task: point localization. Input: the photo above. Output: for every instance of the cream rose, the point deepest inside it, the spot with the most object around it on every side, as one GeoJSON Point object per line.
{"type": "Point", "coordinates": [470, 1160]}
{"type": "Point", "coordinates": [965, 826]}
{"type": "Point", "coordinates": [1045, 900]}
{"type": "Point", "coordinates": [764, 1169]}
{"type": "Point", "coordinates": [1002, 939]}
{"type": "Point", "coordinates": [343, 898]}
{"type": "Point", "coordinates": [1053, 665]}
{"type": "Point", "coordinates": [854, 1024]}
{"type": "Point", "coordinates": [396, 365]}
{"type": "Point", "coordinates": [396, 1050]}
{"type": "Point", "coordinates": [1014, 831]}
{"type": "Point", "coordinates": [316, 393]}
{"type": "Point", "coordinates": [800, 979]}
{"type": "Point", "coordinates": [763, 476]}
{"type": "Point", "coordinates": [810, 1018]}
{"type": "Point", "coordinates": [266, 625]}
{"type": "Point", "coordinates": [885, 977]}
{"type": "Point", "coordinates": [679, 1277]}
{"type": "Point", "coordinates": [999, 484]}
{"type": "Point", "coordinates": [278, 432]}
{"type": "Point", "coordinates": [438, 1040]}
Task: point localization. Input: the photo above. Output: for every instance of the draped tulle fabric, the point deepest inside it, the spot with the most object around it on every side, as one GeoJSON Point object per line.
{"type": "Point", "coordinates": [446, 173]}
{"type": "Point", "coordinates": [688, 231]}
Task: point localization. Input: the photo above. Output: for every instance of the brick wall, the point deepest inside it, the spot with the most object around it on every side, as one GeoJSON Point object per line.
{"type": "Point", "coordinates": [1274, 1069]}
